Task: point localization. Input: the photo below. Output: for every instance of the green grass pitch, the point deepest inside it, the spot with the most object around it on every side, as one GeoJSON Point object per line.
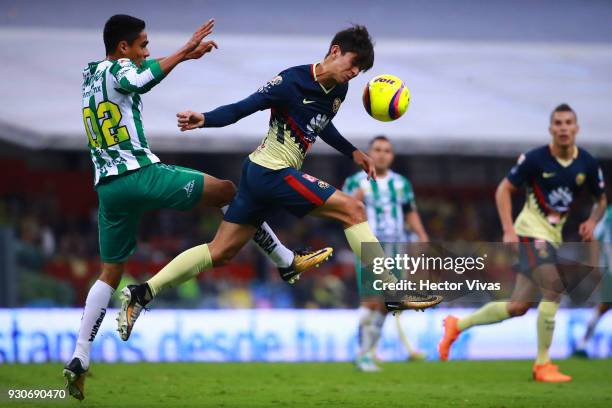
{"type": "Point", "coordinates": [423, 384]}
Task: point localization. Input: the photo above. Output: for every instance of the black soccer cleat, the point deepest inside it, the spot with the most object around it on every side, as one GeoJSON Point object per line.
{"type": "Point", "coordinates": [74, 373]}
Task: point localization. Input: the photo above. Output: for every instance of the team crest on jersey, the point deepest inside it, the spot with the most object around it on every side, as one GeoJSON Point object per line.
{"type": "Point", "coordinates": [580, 177]}
{"type": "Point", "coordinates": [336, 105]}
{"type": "Point", "coordinates": [310, 178]}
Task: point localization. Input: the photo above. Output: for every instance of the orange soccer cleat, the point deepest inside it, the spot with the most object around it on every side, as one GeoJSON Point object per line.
{"type": "Point", "coordinates": [451, 332]}
{"type": "Point", "coordinates": [549, 372]}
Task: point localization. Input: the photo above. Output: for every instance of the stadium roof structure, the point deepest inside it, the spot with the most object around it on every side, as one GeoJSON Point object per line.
{"type": "Point", "coordinates": [468, 96]}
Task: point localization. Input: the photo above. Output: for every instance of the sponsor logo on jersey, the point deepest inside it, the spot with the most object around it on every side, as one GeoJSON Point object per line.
{"type": "Point", "coordinates": [189, 188]}
{"type": "Point", "coordinates": [336, 105]}
{"type": "Point", "coordinates": [548, 175]}
{"type": "Point", "coordinates": [560, 199]}
{"type": "Point", "coordinates": [580, 177]}
{"type": "Point", "coordinates": [277, 80]}
{"type": "Point", "coordinates": [307, 101]}
{"type": "Point", "coordinates": [318, 123]}
{"type": "Point", "coordinates": [322, 184]}
{"type": "Point", "coordinates": [310, 178]}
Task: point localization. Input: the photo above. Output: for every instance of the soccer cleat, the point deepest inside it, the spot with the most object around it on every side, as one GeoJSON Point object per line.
{"type": "Point", "coordinates": [302, 261]}
{"type": "Point", "coordinates": [74, 373]}
{"type": "Point", "coordinates": [366, 364]}
{"type": "Point", "coordinates": [580, 353]}
{"type": "Point", "coordinates": [549, 372]}
{"type": "Point", "coordinates": [416, 301]}
{"type": "Point", "coordinates": [132, 303]}
{"type": "Point", "coordinates": [451, 332]}
{"type": "Point", "coordinates": [417, 356]}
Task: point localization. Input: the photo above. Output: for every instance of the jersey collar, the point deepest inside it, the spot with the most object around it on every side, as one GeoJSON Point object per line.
{"type": "Point", "coordinates": [564, 162]}
{"type": "Point", "coordinates": [314, 76]}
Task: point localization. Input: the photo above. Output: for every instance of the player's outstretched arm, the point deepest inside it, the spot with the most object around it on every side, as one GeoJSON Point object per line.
{"type": "Point", "coordinates": [223, 115]}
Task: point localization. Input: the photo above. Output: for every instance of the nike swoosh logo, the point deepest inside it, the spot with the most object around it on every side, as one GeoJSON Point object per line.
{"type": "Point", "coordinates": [306, 101]}
{"type": "Point", "coordinates": [548, 175]}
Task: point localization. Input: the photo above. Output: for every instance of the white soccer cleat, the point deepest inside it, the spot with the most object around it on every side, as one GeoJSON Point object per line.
{"type": "Point", "coordinates": [366, 364]}
{"type": "Point", "coordinates": [131, 306]}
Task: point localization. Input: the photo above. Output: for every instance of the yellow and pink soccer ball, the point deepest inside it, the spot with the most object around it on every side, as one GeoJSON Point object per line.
{"type": "Point", "coordinates": [386, 97]}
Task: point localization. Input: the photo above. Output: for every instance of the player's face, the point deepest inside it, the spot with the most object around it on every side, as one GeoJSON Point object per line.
{"type": "Point", "coordinates": [342, 66]}
{"type": "Point", "coordinates": [381, 152]}
{"type": "Point", "coordinates": [138, 51]}
{"type": "Point", "coordinates": [563, 129]}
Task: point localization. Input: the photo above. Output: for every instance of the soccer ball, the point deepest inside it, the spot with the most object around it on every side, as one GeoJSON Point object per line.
{"type": "Point", "coordinates": [386, 98]}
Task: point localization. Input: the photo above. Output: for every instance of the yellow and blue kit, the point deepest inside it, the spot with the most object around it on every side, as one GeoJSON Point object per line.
{"type": "Point", "coordinates": [552, 184]}
{"type": "Point", "coordinates": [301, 110]}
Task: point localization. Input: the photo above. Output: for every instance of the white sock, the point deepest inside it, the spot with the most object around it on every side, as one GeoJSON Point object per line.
{"type": "Point", "coordinates": [269, 245]}
{"type": "Point", "coordinates": [370, 328]}
{"type": "Point", "coordinates": [95, 308]}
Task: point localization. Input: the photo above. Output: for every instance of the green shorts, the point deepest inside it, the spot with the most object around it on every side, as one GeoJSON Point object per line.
{"type": "Point", "coordinates": [124, 199]}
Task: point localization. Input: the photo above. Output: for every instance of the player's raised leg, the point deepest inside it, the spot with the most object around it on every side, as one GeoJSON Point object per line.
{"type": "Point", "coordinates": [351, 213]}
{"type": "Point", "coordinates": [230, 238]}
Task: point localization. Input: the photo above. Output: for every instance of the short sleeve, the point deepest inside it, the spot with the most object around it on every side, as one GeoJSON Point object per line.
{"type": "Point", "coordinates": [523, 171]}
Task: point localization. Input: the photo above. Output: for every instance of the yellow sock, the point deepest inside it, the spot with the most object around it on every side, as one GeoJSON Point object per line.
{"type": "Point", "coordinates": [360, 233]}
{"type": "Point", "coordinates": [182, 268]}
{"type": "Point", "coordinates": [546, 327]}
{"type": "Point", "coordinates": [492, 312]}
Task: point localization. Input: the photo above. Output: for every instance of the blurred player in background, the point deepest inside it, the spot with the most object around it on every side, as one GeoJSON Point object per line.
{"type": "Point", "coordinates": [390, 205]}
{"type": "Point", "coordinates": [553, 174]}
{"type": "Point", "coordinates": [303, 101]}
{"type": "Point", "coordinates": [129, 178]}
{"type": "Point", "coordinates": [603, 233]}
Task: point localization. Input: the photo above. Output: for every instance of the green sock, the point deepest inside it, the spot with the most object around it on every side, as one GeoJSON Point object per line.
{"type": "Point", "coordinates": [360, 233]}
{"type": "Point", "coordinates": [492, 312]}
{"type": "Point", "coordinates": [546, 328]}
{"type": "Point", "coordinates": [182, 268]}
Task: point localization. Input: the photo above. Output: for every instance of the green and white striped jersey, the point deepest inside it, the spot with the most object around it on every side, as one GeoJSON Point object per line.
{"type": "Point", "coordinates": [112, 114]}
{"type": "Point", "coordinates": [385, 200]}
{"type": "Point", "coordinates": [603, 233]}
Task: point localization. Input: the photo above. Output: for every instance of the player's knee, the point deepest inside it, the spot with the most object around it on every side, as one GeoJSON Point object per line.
{"type": "Point", "coordinates": [355, 211]}
{"type": "Point", "coordinates": [221, 256]}
{"type": "Point", "coordinates": [228, 191]}
{"type": "Point", "coordinates": [111, 274]}
{"type": "Point", "coordinates": [518, 308]}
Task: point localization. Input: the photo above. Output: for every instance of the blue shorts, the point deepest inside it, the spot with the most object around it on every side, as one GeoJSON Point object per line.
{"type": "Point", "coordinates": [534, 252]}
{"type": "Point", "coordinates": [263, 191]}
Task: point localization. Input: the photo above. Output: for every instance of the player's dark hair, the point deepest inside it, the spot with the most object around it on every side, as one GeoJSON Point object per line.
{"type": "Point", "coordinates": [564, 107]}
{"type": "Point", "coordinates": [356, 39]}
{"type": "Point", "coordinates": [121, 27]}
{"type": "Point", "coordinates": [377, 138]}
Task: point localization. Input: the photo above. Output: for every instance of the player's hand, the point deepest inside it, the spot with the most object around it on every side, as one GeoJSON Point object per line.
{"type": "Point", "coordinates": [365, 162]}
{"type": "Point", "coordinates": [198, 36]}
{"type": "Point", "coordinates": [204, 48]}
{"type": "Point", "coordinates": [189, 120]}
{"type": "Point", "coordinates": [510, 237]}
{"type": "Point", "coordinates": [586, 230]}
